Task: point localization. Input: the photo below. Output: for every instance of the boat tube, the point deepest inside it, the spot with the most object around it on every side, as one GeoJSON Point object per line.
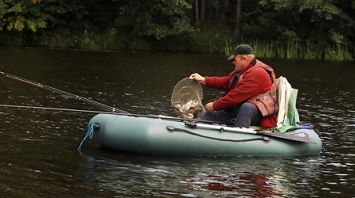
{"type": "Point", "coordinates": [163, 136]}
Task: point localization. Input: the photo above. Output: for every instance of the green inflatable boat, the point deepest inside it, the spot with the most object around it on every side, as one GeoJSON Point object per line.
{"type": "Point", "coordinates": [167, 136]}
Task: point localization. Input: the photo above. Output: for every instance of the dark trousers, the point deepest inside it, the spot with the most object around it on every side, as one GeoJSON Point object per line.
{"type": "Point", "coordinates": [245, 115]}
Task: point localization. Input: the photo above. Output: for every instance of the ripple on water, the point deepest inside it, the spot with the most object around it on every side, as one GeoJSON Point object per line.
{"type": "Point", "coordinates": [38, 148]}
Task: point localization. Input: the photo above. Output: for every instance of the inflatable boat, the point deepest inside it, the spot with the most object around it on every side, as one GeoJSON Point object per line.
{"type": "Point", "coordinates": [171, 136]}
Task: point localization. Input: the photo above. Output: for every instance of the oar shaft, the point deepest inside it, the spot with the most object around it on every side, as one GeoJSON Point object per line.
{"type": "Point", "coordinates": [288, 137]}
{"type": "Point", "coordinates": [226, 128]}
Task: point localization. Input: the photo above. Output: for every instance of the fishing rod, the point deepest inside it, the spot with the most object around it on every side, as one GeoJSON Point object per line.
{"type": "Point", "coordinates": [109, 109]}
{"type": "Point", "coordinates": [63, 93]}
{"type": "Point", "coordinates": [163, 117]}
{"type": "Point", "coordinates": [51, 108]}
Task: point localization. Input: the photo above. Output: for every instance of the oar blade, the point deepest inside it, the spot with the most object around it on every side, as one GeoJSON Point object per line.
{"type": "Point", "coordinates": [295, 137]}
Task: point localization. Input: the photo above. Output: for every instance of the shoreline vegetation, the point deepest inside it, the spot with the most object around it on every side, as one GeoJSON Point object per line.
{"type": "Point", "coordinates": [200, 42]}
{"type": "Point", "coordinates": [285, 29]}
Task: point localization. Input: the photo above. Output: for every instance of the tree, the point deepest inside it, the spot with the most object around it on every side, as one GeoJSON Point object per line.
{"type": "Point", "coordinates": [238, 19]}
{"type": "Point", "coordinates": [203, 11]}
{"type": "Point", "coordinates": [316, 21]}
{"type": "Point", "coordinates": [155, 19]}
{"type": "Point", "coordinates": [22, 15]}
{"type": "Point", "coordinates": [197, 13]}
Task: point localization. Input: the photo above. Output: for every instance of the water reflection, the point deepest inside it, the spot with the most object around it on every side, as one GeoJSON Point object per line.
{"type": "Point", "coordinates": [203, 177]}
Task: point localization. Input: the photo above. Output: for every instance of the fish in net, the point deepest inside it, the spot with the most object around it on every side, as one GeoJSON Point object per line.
{"type": "Point", "coordinates": [186, 99]}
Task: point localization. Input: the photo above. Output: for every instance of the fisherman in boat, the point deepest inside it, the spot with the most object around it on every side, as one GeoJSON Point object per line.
{"type": "Point", "coordinates": [250, 97]}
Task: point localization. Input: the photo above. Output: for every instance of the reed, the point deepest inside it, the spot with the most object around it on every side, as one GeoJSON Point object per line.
{"type": "Point", "coordinates": [295, 50]}
{"type": "Point", "coordinates": [337, 53]}
{"type": "Point", "coordinates": [228, 49]}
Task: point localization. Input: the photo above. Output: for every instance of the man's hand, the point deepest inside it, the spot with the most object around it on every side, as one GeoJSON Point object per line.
{"type": "Point", "coordinates": [209, 107]}
{"type": "Point", "coordinates": [198, 78]}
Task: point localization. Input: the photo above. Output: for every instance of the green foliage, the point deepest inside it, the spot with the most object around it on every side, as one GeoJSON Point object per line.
{"type": "Point", "coordinates": [3, 9]}
{"type": "Point", "coordinates": [22, 15]}
{"type": "Point", "coordinates": [156, 19]}
{"type": "Point", "coordinates": [210, 39]}
{"type": "Point", "coordinates": [318, 29]}
{"type": "Point", "coordinates": [316, 21]}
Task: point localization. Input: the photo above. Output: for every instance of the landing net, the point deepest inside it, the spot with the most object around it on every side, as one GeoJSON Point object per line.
{"type": "Point", "coordinates": [186, 99]}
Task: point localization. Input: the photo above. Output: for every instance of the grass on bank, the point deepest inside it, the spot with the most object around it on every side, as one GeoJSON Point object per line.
{"type": "Point", "coordinates": [296, 50]}
{"type": "Point", "coordinates": [201, 41]}
{"type": "Point", "coordinates": [205, 40]}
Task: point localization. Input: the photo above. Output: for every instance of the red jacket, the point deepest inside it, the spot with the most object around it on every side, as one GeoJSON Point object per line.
{"type": "Point", "coordinates": [253, 81]}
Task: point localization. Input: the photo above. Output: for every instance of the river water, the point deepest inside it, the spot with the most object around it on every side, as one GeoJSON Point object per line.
{"type": "Point", "coordinates": [38, 148]}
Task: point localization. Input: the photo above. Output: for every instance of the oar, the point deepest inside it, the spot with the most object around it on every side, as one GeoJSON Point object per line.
{"type": "Point", "coordinates": [61, 92]}
{"type": "Point", "coordinates": [172, 129]}
{"type": "Point", "coordinates": [298, 137]}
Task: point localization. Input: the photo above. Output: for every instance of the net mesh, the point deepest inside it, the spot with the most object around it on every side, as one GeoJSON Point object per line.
{"type": "Point", "coordinates": [186, 99]}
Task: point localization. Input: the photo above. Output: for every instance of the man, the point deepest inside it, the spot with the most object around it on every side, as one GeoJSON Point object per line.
{"type": "Point", "coordinates": [250, 78]}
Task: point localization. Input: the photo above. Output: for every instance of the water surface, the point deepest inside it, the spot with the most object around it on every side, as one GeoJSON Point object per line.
{"type": "Point", "coordinates": [38, 148]}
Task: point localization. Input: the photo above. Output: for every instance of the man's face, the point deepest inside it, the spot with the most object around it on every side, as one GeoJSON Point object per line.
{"type": "Point", "coordinates": [239, 63]}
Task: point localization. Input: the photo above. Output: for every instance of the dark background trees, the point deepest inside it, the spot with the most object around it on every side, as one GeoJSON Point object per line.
{"type": "Point", "coordinates": [180, 25]}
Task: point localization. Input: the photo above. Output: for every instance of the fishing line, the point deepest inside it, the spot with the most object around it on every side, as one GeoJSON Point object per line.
{"type": "Point", "coordinates": [110, 110]}
{"type": "Point", "coordinates": [162, 117]}
{"type": "Point", "coordinates": [51, 108]}
{"type": "Point", "coordinates": [63, 93]}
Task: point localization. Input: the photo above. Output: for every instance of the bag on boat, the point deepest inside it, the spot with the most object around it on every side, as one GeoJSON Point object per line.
{"type": "Point", "coordinates": [279, 104]}
{"type": "Point", "coordinates": [266, 102]}
{"type": "Point", "coordinates": [287, 116]}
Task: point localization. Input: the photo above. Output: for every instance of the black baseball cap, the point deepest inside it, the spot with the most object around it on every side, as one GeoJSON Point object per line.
{"type": "Point", "coordinates": [241, 49]}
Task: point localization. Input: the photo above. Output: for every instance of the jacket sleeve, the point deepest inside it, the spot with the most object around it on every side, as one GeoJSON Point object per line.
{"type": "Point", "coordinates": [253, 84]}
{"type": "Point", "coordinates": [219, 82]}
